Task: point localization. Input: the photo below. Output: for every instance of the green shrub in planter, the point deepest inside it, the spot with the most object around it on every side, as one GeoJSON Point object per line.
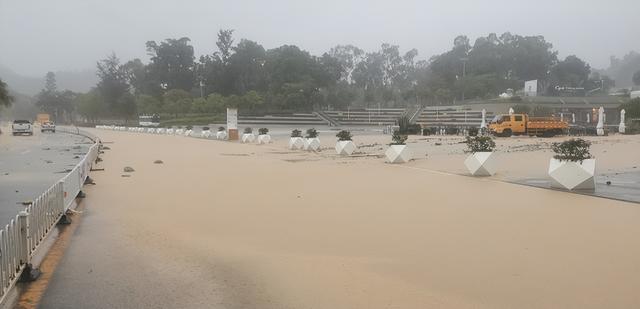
{"type": "Point", "coordinates": [296, 133]}
{"type": "Point", "coordinates": [574, 150]}
{"type": "Point", "coordinates": [344, 135]}
{"type": "Point", "coordinates": [312, 133]}
{"type": "Point", "coordinates": [479, 144]}
{"type": "Point", "coordinates": [220, 129]}
{"type": "Point", "coordinates": [263, 131]}
{"type": "Point", "coordinates": [398, 139]}
{"type": "Point", "coordinates": [248, 130]}
{"type": "Point", "coordinates": [206, 128]}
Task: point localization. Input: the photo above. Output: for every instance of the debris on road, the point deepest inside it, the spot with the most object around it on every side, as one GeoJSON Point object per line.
{"type": "Point", "coordinates": [157, 162]}
{"type": "Point", "coordinates": [129, 169]}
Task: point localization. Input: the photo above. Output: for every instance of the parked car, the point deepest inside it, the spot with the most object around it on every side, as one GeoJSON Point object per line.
{"type": "Point", "coordinates": [48, 126]}
{"type": "Point", "coordinates": [22, 127]}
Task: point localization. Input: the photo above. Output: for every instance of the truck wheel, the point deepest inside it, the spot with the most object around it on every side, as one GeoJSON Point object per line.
{"type": "Point", "coordinates": [507, 133]}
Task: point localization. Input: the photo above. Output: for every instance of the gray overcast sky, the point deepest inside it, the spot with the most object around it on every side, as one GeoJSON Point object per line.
{"type": "Point", "coordinates": [44, 35]}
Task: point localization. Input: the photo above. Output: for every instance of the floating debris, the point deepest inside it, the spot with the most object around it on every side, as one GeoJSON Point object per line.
{"type": "Point", "coordinates": [157, 162]}
{"type": "Point", "coordinates": [129, 169]}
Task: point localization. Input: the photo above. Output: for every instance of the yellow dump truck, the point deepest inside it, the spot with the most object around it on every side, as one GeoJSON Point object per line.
{"type": "Point", "coordinates": [522, 124]}
{"type": "Point", "coordinates": [42, 118]}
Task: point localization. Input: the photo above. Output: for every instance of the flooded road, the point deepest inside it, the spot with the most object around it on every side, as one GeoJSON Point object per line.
{"type": "Point", "coordinates": [29, 165]}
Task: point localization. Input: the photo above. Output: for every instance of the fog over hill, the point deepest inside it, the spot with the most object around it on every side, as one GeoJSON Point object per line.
{"type": "Point", "coordinates": [77, 81]}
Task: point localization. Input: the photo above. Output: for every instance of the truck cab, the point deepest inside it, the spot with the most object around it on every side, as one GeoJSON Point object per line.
{"type": "Point", "coordinates": [507, 125]}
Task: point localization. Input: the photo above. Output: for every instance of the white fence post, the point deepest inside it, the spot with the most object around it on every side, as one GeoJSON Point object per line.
{"type": "Point", "coordinates": [23, 227]}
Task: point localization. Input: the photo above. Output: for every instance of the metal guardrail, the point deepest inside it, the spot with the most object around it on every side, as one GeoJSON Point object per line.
{"type": "Point", "coordinates": [21, 238]}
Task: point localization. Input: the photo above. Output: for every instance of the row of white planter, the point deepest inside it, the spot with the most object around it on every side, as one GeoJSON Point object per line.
{"type": "Point", "coordinates": [261, 139]}
{"type": "Point", "coordinates": [564, 174]}
{"type": "Point", "coordinates": [308, 144]}
{"type": "Point", "coordinates": [567, 175]}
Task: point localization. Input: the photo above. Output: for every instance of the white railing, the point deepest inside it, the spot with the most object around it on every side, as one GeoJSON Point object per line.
{"type": "Point", "coordinates": [24, 234]}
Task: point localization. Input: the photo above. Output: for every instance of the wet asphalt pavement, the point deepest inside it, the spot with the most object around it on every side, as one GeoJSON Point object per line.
{"type": "Point", "coordinates": [623, 186]}
{"type": "Point", "coordinates": [29, 165]}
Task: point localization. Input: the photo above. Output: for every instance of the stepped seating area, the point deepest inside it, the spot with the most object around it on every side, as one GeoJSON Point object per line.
{"type": "Point", "coordinates": [371, 116]}
{"type": "Point", "coordinates": [452, 118]}
{"type": "Point", "coordinates": [283, 119]}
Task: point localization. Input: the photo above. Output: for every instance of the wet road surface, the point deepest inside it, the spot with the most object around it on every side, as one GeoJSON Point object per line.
{"type": "Point", "coordinates": [29, 165]}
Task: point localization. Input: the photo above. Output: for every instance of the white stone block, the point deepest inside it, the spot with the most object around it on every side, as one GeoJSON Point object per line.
{"type": "Point", "coordinates": [205, 134]}
{"type": "Point", "coordinates": [398, 154]}
{"type": "Point", "coordinates": [312, 144]}
{"type": "Point", "coordinates": [481, 164]}
{"type": "Point", "coordinates": [248, 138]}
{"type": "Point", "coordinates": [188, 133]}
{"type": "Point", "coordinates": [264, 139]}
{"type": "Point", "coordinates": [573, 175]}
{"type": "Point", "coordinates": [345, 148]}
{"type": "Point", "coordinates": [169, 132]}
{"type": "Point", "coordinates": [296, 143]}
{"type": "Point", "coordinates": [160, 130]}
{"type": "Point", "coordinates": [151, 130]}
{"type": "Point", "coordinates": [179, 131]}
{"type": "Point", "coordinates": [221, 135]}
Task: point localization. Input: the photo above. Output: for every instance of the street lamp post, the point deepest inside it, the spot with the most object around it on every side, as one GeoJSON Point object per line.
{"type": "Point", "coordinates": [464, 74]}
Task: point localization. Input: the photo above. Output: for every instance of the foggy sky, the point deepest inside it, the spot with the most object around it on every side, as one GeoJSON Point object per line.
{"type": "Point", "coordinates": [37, 36]}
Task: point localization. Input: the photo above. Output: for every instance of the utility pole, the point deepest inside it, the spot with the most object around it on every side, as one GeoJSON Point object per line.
{"type": "Point", "coordinates": [464, 74]}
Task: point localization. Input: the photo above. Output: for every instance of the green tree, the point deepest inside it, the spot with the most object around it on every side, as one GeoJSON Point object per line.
{"type": "Point", "coordinates": [147, 104]}
{"type": "Point", "coordinates": [57, 103]}
{"type": "Point", "coordinates": [141, 79]}
{"type": "Point", "coordinates": [113, 87]}
{"type": "Point", "coordinates": [632, 109]}
{"type": "Point", "coordinates": [225, 45]}
{"type": "Point", "coordinates": [348, 56]}
{"type": "Point", "coordinates": [177, 101]}
{"type": "Point", "coordinates": [245, 67]}
{"type": "Point", "coordinates": [90, 105]}
{"type": "Point", "coordinates": [172, 63]}
{"type": "Point", "coordinates": [5, 98]}
{"type": "Point", "coordinates": [636, 78]}
{"type": "Point", "coordinates": [570, 72]}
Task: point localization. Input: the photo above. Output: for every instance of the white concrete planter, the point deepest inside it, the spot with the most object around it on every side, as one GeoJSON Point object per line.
{"type": "Point", "coordinates": [151, 130]}
{"type": "Point", "coordinates": [169, 132]}
{"type": "Point", "coordinates": [248, 138]}
{"type": "Point", "coordinates": [264, 139]}
{"type": "Point", "coordinates": [572, 175]}
{"type": "Point", "coordinates": [179, 131]}
{"type": "Point", "coordinates": [188, 133]}
{"type": "Point", "coordinates": [160, 130]}
{"type": "Point", "coordinates": [481, 164]}
{"type": "Point", "coordinates": [221, 135]}
{"type": "Point", "coordinates": [296, 143]}
{"type": "Point", "coordinates": [312, 144]}
{"type": "Point", "coordinates": [345, 148]}
{"type": "Point", "coordinates": [205, 134]}
{"type": "Point", "coordinates": [398, 154]}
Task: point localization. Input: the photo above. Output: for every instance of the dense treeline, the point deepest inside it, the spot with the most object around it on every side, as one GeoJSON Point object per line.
{"type": "Point", "coordinates": [246, 75]}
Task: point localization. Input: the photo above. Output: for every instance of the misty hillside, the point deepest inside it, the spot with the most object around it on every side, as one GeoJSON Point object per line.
{"type": "Point", "coordinates": [22, 107]}
{"type": "Point", "coordinates": [80, 81]}
{"type": "Point", "coordinates": [622, 69]}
